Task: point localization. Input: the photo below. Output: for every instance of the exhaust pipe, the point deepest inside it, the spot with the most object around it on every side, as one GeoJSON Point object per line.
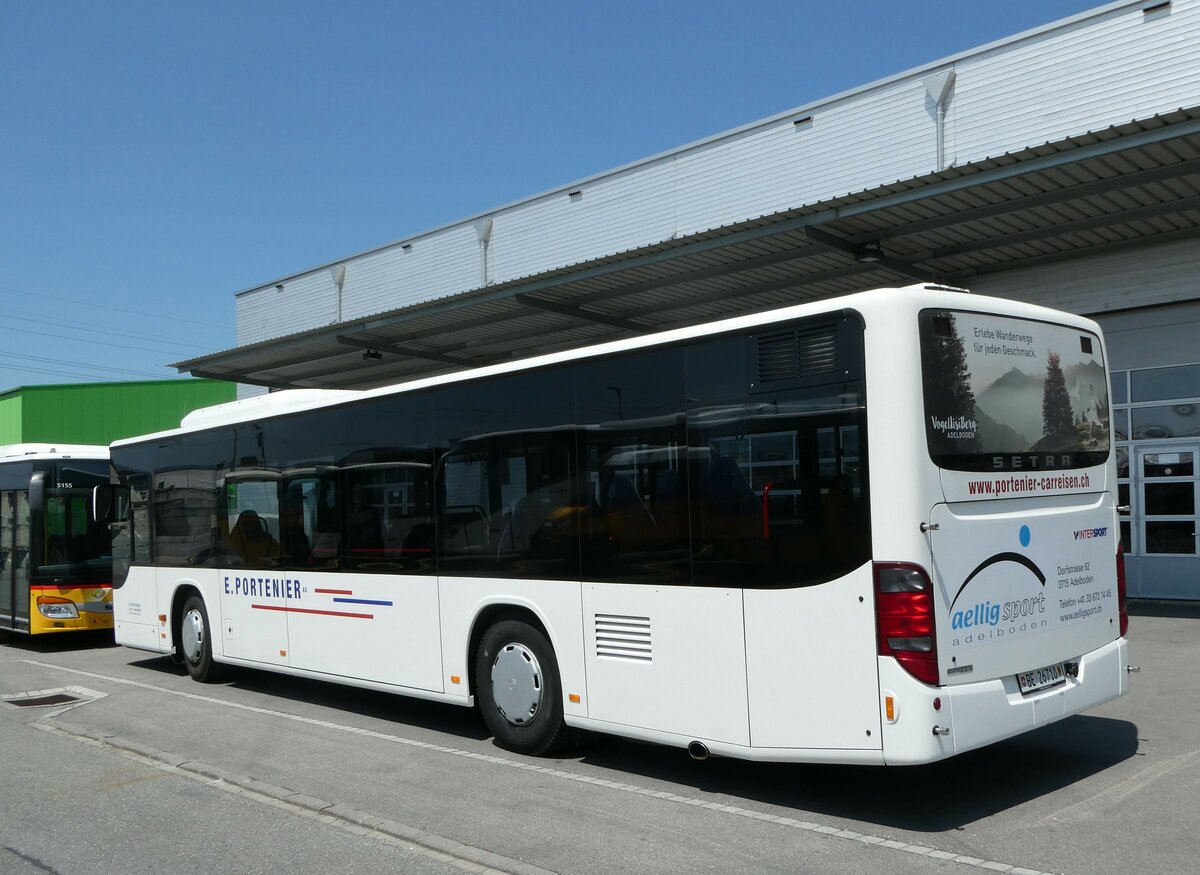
{"type": "Point", "coordinates": [697, 751]}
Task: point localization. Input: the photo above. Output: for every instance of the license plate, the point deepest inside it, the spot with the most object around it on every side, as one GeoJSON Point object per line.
{"type": "Point", "coordinates": [1040, 678]}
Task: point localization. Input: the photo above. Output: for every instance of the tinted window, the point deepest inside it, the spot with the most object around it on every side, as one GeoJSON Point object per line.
{"type": "Point", "coordinates": [506, 493]}
{"type": "Point", "coordinates": [778, 479]}
{"type": "Point", "coordinates": [1160, 384]}
{"type": "Point", "coordinates": [75, 546]}
{"type": "Point", "coordinates": [131, 536]}
{"type": "Point", "coordinates": [15, 475]}
{"type": "Point", "coordinates": [729, 462]}
{"type": "Point", "coordinates": [7, 557]}
{"type": "Point", "coordinates": [1167, 421]}
{"type": "Point", "coordinates": [250, 521]}
{"type": "Point", "coordinates": [634, 467]}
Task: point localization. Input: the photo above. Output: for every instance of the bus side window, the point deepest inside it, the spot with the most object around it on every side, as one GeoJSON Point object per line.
{"type": "Point", "coordinates": [6, 534]}
{"type": "Point", "coordinates": [389, 514]}
{"type": "Point", "coordinates": [184, 507]}
{"type": "Point", "coordinates": [326, 536]}
{"type": "Point", "coordinates": [253, 508]}
{"type": "Point", "coordinates": [295, 523]}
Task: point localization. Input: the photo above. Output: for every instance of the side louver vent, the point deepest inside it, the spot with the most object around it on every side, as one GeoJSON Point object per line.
{"type": "Point", "coordinates": [795, 353]}
{"type": "Point", "coordinates": [621, 637]}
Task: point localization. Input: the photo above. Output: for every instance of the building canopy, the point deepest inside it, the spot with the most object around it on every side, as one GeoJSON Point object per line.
{"type": "Point", "coordinates": [1127, 186]}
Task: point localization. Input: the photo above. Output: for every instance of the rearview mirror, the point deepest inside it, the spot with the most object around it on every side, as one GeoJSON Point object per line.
{"type": "Point", "coordinates": [37, 492]}
{"type": "Point", "coordinates": [109, 502]}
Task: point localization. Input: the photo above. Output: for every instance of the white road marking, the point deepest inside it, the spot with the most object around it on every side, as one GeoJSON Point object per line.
{"type": "Point", "coordinates": [414, 846]}
{"type": "Point", "coordinates": [732, 810]}
{"type": "Point", "coordinates": [1097, 806]}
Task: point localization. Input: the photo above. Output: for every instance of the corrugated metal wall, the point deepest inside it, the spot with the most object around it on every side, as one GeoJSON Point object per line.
{"type": "Point", "coordinates": [1096, 70]}
{"type": "Point", "coordinates": [10, 418]}
{"type": "Point", "coordinates": [1144, 277]}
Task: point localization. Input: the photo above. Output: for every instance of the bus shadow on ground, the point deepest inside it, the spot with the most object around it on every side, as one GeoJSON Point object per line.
{"type": "Point", "coordinates": [942, 796]}
{"type": "Point", "coordinates": [59, 642]}
{"type": "Point", "coordinates": [934, 798]}
{"type": "Point", "coordinates": [387, 707]}
{"type": "Point", "coordinates": [1163, 608]}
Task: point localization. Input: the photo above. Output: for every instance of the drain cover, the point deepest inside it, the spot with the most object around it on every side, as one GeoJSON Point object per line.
{"type": "Point", "coordinates": [37, 701]}
{"type": "Point", "coordinates": [68, 696]}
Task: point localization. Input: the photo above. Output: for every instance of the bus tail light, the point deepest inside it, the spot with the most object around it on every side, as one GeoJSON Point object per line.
{"type": "Point", "coordinates": [57, 608]}
{"type": "Point", "coordinates": [904, 618]}
{"type": "Point", "coordinates": [1121, 609]}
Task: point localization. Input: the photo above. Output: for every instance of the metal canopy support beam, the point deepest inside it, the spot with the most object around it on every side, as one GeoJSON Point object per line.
{"type": "Point", "coordinates": [282, 364]}
{"type": "Point", "coordinates": [580, 313]}
{"type": "Point", "coordinates": [1062, 228]}
{"type": "Point", "coordinates": [855, 251]}
{"type": "Point", "coordinates": [811, 247]}
{"type": "Point", "coordinates": [245, 378]}
{"type": "Point", "coordinates": [369, 374]}
{"type": "Point", "coordinates": [791, 282]}
{"type": "Point", "coordinates": [1052, 257]}
{"type": "Point", "coordinates": [394, 349]}
{"type": "Point", "coordinates": [1047, 198]}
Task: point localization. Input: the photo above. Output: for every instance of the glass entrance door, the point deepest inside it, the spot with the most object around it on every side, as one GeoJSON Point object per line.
{"type": "Point", "coordinates": [1166, 515]}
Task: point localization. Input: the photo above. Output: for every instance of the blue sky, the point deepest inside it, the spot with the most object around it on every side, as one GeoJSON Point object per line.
{"type": "Point", "coordinates": [157, 157]}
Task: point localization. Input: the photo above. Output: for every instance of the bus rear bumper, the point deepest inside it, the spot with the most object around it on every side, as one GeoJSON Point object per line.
{"type": "Point", "coordinates": [978, 714]}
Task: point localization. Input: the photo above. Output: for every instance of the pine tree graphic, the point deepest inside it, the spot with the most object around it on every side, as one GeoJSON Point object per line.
{"type": "Point", "coordinates": [948, 385]}
{"type": "Point", "coordinates": [1057, 419]}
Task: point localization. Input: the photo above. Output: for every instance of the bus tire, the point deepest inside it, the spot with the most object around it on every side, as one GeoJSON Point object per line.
{"type": "Point", "coordinates": [195, 642]}
{"type": "Point", "coordinates": [520, 695]}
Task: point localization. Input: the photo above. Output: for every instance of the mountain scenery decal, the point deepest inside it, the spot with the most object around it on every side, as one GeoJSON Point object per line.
{"type": "Point", "coordinates": [995, 385]}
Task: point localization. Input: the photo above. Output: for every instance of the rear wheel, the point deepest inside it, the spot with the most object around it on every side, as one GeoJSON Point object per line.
{"type": "Point", "coordinates": [195, 644]}
{"type": "Point", "coordinates": [520, 694]}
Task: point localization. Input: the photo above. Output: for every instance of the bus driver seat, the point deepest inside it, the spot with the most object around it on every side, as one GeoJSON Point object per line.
{"type": "Point", "coordinates": [252, 540]}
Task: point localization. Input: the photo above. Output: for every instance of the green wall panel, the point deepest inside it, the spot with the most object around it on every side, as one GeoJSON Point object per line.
{"type": "Point", "coordinates": [99, 413]}
{"type": "Point", "coordinates": [10, 418]}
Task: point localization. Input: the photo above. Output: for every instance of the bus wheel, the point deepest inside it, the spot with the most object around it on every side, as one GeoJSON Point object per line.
{"type": "Point", "coordinates": [519, 690]}
{"type": "Point", "coordinates": [195, 645]}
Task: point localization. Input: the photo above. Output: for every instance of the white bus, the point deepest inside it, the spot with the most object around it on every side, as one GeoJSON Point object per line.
{"type": "Point", "coordinates": [873, 529]}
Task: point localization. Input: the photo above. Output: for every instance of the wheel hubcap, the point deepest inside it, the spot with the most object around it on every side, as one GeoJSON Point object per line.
{"type": "Point", "coordinates": [192, 635]}
{"type": "Point", "coordinates": [517, 684]}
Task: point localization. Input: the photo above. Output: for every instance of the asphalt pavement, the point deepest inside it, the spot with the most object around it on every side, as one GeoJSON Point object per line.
{"type": "Point", "coordinates": [131, 766]}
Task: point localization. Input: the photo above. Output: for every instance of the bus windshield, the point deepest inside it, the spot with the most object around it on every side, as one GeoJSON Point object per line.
{"type": "Point", "coordinates": [1004, 394]}
{"type": "Point", "coordinates": [75, 546]}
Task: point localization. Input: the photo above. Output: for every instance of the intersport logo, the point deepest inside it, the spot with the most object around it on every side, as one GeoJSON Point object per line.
{"type": "Point", "coordinates": [1085, 534]}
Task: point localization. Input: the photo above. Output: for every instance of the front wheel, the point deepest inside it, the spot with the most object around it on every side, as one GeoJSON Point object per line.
{"type": "Point", "coordinates": [195, 644]}
{"type": "Point", "coordinates": [519, 690]}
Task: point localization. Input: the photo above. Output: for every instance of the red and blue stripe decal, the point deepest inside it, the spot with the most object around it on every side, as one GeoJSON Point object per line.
{"type": "Point", "coordinates": [340, 596]}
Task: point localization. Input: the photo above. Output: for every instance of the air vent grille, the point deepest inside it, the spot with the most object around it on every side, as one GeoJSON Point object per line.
{"type": "Point", "coordinates": [795, 353]}
{"type": "Point", "coordinates": [622, 637]}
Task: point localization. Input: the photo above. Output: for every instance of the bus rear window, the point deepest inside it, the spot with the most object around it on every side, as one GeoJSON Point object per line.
{"type": "Point", "coordinates": [1004, 394]}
